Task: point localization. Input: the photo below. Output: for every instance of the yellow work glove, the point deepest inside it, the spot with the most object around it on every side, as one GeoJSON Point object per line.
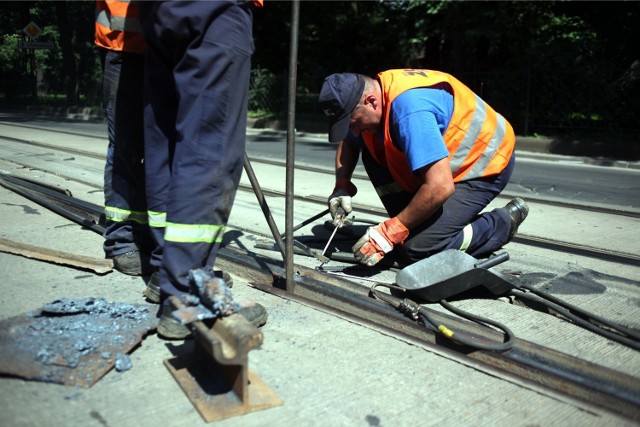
{"type": "Point", "coordinates": [379, 241]}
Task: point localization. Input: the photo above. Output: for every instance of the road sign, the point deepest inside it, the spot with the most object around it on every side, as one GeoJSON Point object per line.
{"type": "Point", "coordinates": [32, 30]}
{"type": "Point", "coordinates": [35, 45]}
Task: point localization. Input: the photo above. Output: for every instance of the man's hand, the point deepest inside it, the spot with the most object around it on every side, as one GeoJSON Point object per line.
{"type": "Point", "coordinates": [379, 241]}
{"type": "Point", "coordinates": [340, 200]}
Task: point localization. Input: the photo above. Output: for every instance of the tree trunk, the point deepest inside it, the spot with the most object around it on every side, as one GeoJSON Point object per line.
{"type": "Point", "coordinates": [68, 56]}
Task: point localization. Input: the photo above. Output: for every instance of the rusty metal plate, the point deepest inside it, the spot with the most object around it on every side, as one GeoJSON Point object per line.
{"type": "Point", "coordinates": [199, 378]}
{"type": "Point", "coordinates": [73, 341]}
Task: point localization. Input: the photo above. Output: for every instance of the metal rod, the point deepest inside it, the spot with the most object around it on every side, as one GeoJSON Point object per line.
{"type": "Point", "coordinates": [307, 221]}
{"type": "Point", "coordinates": [329, 241]}
{"type": "Point", "coordinates": [263, 204]}
{"type": "Point", "coordinates": [291, 133]}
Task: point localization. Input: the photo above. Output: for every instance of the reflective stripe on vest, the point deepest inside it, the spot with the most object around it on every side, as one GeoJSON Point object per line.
{"type": "Point", "coordinates": [157, 219]}
{"type": "Point", "coordinates": [121, 215]}
{"type": "Point", "coordinates": [117, 23]}
{"type": "Point", "coordinates": [479, 140]}
{"type": "Point", "coordinates": [193, 233]}
{"type": "Point", "coordinates": [117, 26]}
{"type": "Point", "coordinates": [463, 151]}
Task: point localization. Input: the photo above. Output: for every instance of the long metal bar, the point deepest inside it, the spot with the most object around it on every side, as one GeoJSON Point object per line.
{"type": "Point", "coordinates": [291, 139]}
{"type": "Point", "coordinates": [536, 365]}
{"type": "Point", "coordinates": [263, 205]}
{"type": "Point", "coordinates": [58, 202]}
{"type": "Point", "coordinates": [308, 221]}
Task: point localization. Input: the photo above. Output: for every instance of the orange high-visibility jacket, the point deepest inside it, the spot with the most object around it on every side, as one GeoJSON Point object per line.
{"type": "Point", "coordinates": [118, 27]}
{"type": "Point", "coordinates": [480, 141]}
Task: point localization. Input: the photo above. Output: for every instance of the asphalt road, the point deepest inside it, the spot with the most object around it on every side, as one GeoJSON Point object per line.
{"type": "Point", "coordinates": [547, 177]}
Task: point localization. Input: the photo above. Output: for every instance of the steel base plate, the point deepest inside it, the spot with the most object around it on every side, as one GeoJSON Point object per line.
{"type": "Point", "coordinates": [213, 400]}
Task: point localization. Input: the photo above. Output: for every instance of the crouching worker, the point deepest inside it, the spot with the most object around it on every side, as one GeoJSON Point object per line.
{"type": "Point", "coordinates": [436, 154]}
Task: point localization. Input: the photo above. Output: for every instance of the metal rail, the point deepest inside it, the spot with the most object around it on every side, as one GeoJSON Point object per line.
{"type": "Point", "coordinates": [537, 365]}
{"type": "Point", "coordinates": [534, 364]}
{"type": "Point", "coordinates": [555, 245]}
{"type": "Point", "coordinates": [327, 171]}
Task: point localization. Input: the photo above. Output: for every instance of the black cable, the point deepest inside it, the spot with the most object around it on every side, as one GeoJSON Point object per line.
{"type": "Point", "coordinates": [582, 313]}
{"type": "Point", "coordinates": [578, 320]}
{"type": "Point", "coordinates": [506, 345]}
{"type": "Point", "coordinates": [416, 311]}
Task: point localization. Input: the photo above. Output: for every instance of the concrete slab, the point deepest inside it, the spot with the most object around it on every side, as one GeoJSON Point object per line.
{"type": "Point", "coordinates": [328, 370]}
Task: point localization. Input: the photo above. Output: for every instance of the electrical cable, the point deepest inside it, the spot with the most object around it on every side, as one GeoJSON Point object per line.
{"type": "Point", "coordinates": [506, 345]}
{"type": "Point", "coordinates": [416, 311]}
{"type": "Point", "coordinates": [582, 313]}
{"type": "Point", "coordinates": [578, 320]}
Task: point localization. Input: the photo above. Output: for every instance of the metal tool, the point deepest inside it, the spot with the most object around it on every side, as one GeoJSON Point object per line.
{"type": "Point", "coordinates": [339, 223]}
{"type": "Point", "coordinates": [451, 272]}
{"type": "Point", "coordinates": [307, 221]}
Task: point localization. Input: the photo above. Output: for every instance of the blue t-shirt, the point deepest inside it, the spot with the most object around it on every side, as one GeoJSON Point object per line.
{"type": "Point", "coordinates": [418, 119]}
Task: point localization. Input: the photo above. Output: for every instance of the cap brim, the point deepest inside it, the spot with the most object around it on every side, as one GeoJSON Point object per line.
{"type": "Point", "coordinates": [338, 130]}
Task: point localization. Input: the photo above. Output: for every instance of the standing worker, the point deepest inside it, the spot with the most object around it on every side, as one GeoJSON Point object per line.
{"type": "Point", "coordinates": [436, 154]}
{"type": "Point", "coordinates": [196, 89]}
{"type": "Point", "coordinates": [127, 237]}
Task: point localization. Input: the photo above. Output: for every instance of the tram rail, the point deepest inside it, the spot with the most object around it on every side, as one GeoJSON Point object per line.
{"type": "Point", "coordinates": [525, 362]}
{"type": "Point", "coordinates": [556, 245]}
{"type": "Point", "coordinates": [538, 366]}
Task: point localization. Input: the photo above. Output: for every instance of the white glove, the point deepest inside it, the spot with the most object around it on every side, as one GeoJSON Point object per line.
{"type": "Point", "coordinates": [339, 206]}
{"type": "Point", "coordinates": [340, 200]}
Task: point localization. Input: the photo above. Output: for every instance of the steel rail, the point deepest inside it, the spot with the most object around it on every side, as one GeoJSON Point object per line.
{"type": "Point", "coordinates": [86, 214]}
{"type": "Point", "coordinates": [326, 171]}
{"type": "Point", "coordinates": [532, 364]}
{"type": "Point", "coordinates": [565, 247]}
{"type": "Point", "coordinates": [556, 245]}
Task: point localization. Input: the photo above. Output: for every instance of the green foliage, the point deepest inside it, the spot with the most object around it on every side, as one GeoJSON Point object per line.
{"type": "Point", "coordinates": [264, 91]}
{"type": "Point", "coordinates": [9, 57]}
{"type": "Point", "coordinates": [543, 65]}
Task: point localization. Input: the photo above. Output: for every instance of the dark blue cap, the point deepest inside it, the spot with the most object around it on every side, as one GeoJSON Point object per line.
{"type": "Point", "coordinates": [339, 95]}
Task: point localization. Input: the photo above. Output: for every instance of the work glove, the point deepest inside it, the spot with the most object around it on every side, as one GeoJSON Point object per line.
{"type": "Point", "coordinates": [340, 200]}
{"type": "Point", "coordinates": [379, 241]}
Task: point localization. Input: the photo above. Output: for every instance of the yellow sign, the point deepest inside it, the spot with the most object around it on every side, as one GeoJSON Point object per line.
{"type": "Point", "coordinates": [32, 30]}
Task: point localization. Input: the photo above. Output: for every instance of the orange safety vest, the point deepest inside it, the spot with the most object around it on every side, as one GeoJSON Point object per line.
{"type": "Point", "coordinates": [480, 141]}
{"type": "Point", "coordinates": [118, 27]}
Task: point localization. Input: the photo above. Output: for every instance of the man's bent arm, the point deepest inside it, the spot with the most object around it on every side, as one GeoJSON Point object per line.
{"type": "Point", "coordinates": [437, 186]}
{"type": "Point", "coordinates": [347, 156]}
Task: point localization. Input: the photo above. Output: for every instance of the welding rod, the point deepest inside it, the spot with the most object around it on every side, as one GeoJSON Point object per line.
{"type": "Point", "coordinates": [307, 221]}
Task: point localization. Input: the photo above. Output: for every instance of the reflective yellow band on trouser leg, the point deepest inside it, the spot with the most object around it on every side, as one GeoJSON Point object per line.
{"type": "Point", "coordinates": [120, 215]}
{"type": "Point", "coordinates": [193, 233]}
{"type": "Point", "coordinates": [157, 219]}
{"type": "Point", "coordinates": [467, 236]}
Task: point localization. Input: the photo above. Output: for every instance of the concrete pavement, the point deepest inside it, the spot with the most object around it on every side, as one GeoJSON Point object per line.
{"type": "Point", "coordinates": [329, 371]}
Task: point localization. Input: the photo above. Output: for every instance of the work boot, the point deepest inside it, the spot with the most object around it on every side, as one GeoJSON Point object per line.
{"type": "Point", "coordinates": [132, 263]}
{"type": "Point", "coordinates": [170, 329]}
{"type": "Point", "coordinates": [255, 314]}
{"type": "Point", "coordinates": [518, 211]}
{"type": "Point", "coordinates": [152, 291]}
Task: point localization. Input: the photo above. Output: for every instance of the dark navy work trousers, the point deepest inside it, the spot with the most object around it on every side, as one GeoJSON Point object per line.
{"type": "Point", "coordinates": [444, 229]}
{"type": "Point", "coordinates": [124, 187]}
{"type": "Point", "coordinates": [197, 78]}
